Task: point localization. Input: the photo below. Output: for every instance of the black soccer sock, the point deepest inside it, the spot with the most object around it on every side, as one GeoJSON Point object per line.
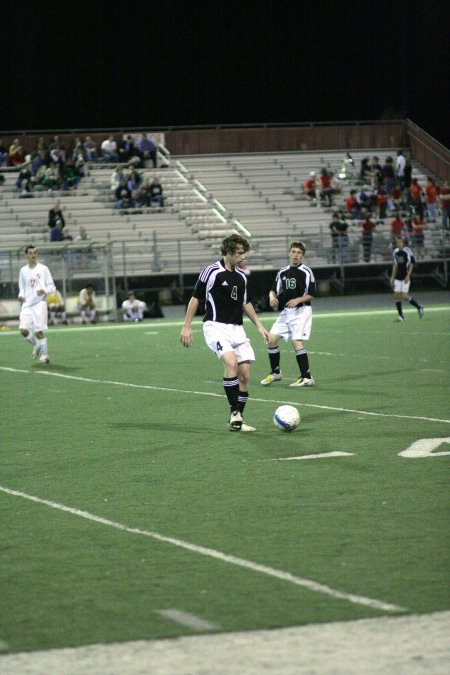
{"type": "Point", "coordinates": [413, 302]}
{"type": "Point", "coordinates": [231, 386]}
{"type": "Point", "coordinates": [303, 363]}
{"type": "Point", "coordinates": [398, 304]}
{"type": "Point", "coordinates": [243, 397]}
{"type": "Point", "coordinates": [274, 358]}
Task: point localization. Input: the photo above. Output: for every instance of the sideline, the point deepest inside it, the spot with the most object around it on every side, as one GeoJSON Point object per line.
{"type": "Point", "coordinates": [265, 316]}
{"type": "Point", "coordinates": [278, 401]}
{"type": "Point", "coordinates": [218, 555]}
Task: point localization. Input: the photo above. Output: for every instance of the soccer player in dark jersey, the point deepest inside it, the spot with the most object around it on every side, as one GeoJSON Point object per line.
{"type": "Point", "coordinates": [402, 267]}
{"type": "Point", "coordinates": [222, 286]}
{"type": "Point", "coordinates": [292, 292]}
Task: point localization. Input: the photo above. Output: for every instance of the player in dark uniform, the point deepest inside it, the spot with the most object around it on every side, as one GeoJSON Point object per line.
{"type": "Point", "coordinates": [222, 287]}
{"type": "Point", "coordinates": [402, 267]}
{"type": "Point", "coordinates": [292, 292]}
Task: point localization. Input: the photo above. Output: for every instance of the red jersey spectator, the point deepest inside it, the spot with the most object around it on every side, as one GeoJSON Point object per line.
{"type": "Point", "coordinates": [309, 186]}
{"type": "Point", "coordinates": [352, 206]}
{"type": "Point", "coordinates": [444, 193]}
{"type": "Point", "coordinates": [418, 235]}
{"type": "Point", "coordinates": [367, 227]}
{"type": "Point", "coordinates": [415, 196]}
{"type": "Point", "coordinates": [431, 195]}
{"type": "Point", "coordinates": [398, 229]}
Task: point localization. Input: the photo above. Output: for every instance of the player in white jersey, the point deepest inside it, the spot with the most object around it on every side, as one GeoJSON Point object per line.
{"type": "Point", "coordinates": [35, 281]}
{"type": "Point", "coordinates": [133, 309]}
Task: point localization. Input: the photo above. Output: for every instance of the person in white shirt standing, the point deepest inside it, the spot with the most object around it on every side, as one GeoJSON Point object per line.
{"type": "Point", "coordinates": [35, 282]}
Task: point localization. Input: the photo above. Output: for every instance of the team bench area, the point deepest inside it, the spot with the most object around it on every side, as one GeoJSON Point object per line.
{"type": "Point", "coordinates": [10, 309]}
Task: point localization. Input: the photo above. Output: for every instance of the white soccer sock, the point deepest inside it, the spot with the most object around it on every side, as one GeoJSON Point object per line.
{"type": "Point", "coordinates": [43, 346]}
{"type": "Point", "coordinates": [30, 338]}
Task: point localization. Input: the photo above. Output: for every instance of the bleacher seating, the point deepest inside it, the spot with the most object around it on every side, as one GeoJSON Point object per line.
{"type": "Point", "coordinates": [207, 197]}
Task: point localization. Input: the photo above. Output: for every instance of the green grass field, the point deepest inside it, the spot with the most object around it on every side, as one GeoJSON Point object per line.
{"type": "Point", "coordinates": [124, 497]}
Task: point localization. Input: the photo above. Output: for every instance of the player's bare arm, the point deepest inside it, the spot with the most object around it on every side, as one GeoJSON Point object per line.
{"type": "Point", "coordinates": [186, 331]}
{"type": "Point", "coordinates": [250, 311]}
{"type": "Point", "coordinates": [273, 300]}
{"type": "Point", "coordinates": [298, 301]}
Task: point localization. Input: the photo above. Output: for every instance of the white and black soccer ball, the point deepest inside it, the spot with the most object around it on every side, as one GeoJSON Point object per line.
{"type": "Point", "coordinates": [286, 418]}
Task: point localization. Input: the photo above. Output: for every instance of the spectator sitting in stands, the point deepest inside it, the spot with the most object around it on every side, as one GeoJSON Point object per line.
{"type": "Point", "coordinates": [15, 154]}
{"type": "Point", "coordinates": [134, 182]}
{"type": "Point", "coordinates": [147, 149]}
{"type": "Point", "coordinates": [69, 176]}
{"type": "Point", "coordinates": [82, 235]}
{"type": "Point", "coordinates": [3, 154]}
{"type": "Point", "coordinates": [55, 214]}
{"type": "Point", "coordinates": [76, 149]}
{"type": "Point", "coordinates": [51, 177]}
{"type": "Point", "coordinates": [109, 150]}
{"type": "Point", "coordinates": [56, 233]}
{"type": "Point", "coordinates": [39, 155]}
{"type": "Point", "coordinates": [156, 192]}
{"type": "Point", "coordinates": [126, 149]}
{"type": "Point", "coordinates": [376, 172]}
{"type": "Point", "coordinates": [395, 198]}
{"type": "Point", "coordinates": [352, 206]}
{"type": "Point", "coordinates": [66, 234]}
{"type": "Point", "coordinates": [90, 148]}
{"type": "Point", "coordinates": [309, 186]}
{"type": "Point", "coordinates": [24, 180]}
{"type": "Point", "coordinates": [325, 189]}
{"type": "Point", "coordinates": [388, 173]}
{"type": "Point", "coordinates": [365, 172]}
{"type": "Point", "coordinates": [116, 178]}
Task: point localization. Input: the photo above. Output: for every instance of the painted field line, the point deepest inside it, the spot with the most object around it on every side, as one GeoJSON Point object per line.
{"type": "Point", "coordinates": [187, 619]}
{"type": "Point", "coordinates": [191, 392]}
{"type": "Point", "coordinates": [218, 555]}
{"type": "Point", "coordinates": [263, 317]}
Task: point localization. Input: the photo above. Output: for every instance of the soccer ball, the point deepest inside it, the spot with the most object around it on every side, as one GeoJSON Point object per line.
{"type": "Point", "coordinates": [286, 417]}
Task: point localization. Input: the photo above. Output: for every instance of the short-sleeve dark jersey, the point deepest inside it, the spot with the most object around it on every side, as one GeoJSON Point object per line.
{"type": "Point", "coordinates": [223, 292]}
{"type": "Point", "coordinates": [292, 282]}
{"type": "Point", "coordinates": [402, 258]}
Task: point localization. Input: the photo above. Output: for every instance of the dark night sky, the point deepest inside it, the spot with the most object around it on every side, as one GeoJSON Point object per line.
{"type": "Point", "coordinates": [93, 64]}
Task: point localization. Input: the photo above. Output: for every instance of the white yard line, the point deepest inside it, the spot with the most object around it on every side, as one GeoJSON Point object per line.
{"type": "Point", "coordinates": [278, 401]}
{"type": "Point", "coordinates": [309, 584]}
{"type": "Point", "coordinates": [187, 619]}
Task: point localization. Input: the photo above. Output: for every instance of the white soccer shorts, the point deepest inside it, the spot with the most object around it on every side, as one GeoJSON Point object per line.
{"type": "Point", "coordinates": [401, 286]}
{"type": "Point", "coordinates": [294, 324]}
{"type": "Point", "coordinates": [228, 337]}
{"type": "Point", "coordinates": [34, 318]}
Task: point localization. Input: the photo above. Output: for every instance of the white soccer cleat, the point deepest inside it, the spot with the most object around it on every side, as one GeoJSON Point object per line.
{"type": "Point", "coordinates": [35, 352]}
{"type": "Point", "coordinates": [235, 422]}
{"type": "Point", "coordinates": [271, 377]}
{"type": "Point", "coordinates": [303, 382]}
{"type": "Point", "coordinates": [246, 428]}
{"type": "Point", "coordinates": [44, 358]}
{"type": "Point", "coordinates": [400, 319]}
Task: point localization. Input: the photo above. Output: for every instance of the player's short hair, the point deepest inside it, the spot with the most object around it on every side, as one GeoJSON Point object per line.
{"type": "Point", "coordinates": [230, 244]}
{"type": "Point", "coordinates": [297, 244]}
{"type": "Point", "coordinates": [27, 248]}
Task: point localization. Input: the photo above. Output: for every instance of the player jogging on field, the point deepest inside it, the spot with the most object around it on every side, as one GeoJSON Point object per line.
{"type": "Point", "coordinates": [222, 286]}
{"type": "Point", "coordinates": [402, 267]}
{"type": "Point", "coordinates": [292, 292]}
{"type": "Point", "coordinates": [35, 281]}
